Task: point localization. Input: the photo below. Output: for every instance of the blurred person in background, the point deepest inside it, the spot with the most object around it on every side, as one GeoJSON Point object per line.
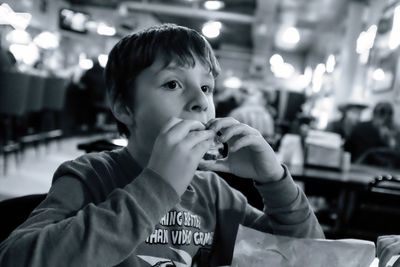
{"type": "Point", "coordinates": [253, 112]}
{"type": "Point", "coordinates": [95, 89]}
{"type": "Point", "coordinates": [226, 100]}
{"type": "Point", "coordinates": [377, 133]}
{"type": "Point", "coordinates": [350, 116]}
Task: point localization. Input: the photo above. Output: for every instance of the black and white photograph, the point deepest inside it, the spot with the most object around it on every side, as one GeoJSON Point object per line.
{"type": "Point", "coordinates": [200, 133]}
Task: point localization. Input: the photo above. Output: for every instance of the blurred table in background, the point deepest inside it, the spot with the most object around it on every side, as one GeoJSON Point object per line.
{"type": "Point", "coordinates": [102, 144]}
{"type": "Point", "coordinates": [357, 177]}
{"type": "Point", "coordinates": [345, 194]}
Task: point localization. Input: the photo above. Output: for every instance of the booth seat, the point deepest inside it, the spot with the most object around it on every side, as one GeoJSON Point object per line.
{"type": "Point", "coordinates": [30, 105]}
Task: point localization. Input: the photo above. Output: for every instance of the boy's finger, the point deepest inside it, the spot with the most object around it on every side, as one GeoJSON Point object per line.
{"type": "Point", "coordinates": [181, 129]}
{"type": "Point", "coordinates": [199, 150]}
{"type": "Point", "coordinates": [235, 130]}
{"type": "Point", "coordinates": [171, 122]}
{"type": "Point", "coordinates": [218, 124]}
{"type": "Point", "coordinates": [242, 142]}
{"type": "Point", "coordinates": [195, 137]}
{"type": "Point", "coordinates": [210, 122]}
{"type": "Point", "coordinates": [219, 165]}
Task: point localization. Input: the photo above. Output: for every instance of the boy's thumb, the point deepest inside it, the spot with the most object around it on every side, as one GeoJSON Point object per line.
{"type": "Point", "coordinates": [219, 165]}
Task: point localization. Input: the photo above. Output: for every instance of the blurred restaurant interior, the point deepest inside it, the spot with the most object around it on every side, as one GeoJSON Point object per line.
{"type": "Point", "coordinates": [320, 79]}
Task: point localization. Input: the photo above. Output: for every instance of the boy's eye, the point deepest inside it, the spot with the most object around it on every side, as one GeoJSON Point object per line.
{"type": "Point", "coordinates": [172, 85]}
{"type": "Point", "coordinates": [206, 89]}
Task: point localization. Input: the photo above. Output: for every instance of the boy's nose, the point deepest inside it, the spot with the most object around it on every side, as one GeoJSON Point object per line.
{"type": "Point", "coordinates": [198, 101]}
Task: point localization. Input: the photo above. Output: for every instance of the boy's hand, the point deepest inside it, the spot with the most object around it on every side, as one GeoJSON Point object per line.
{"type": "Point", "coordinates": [177, 151]}
{"type": "Point", "coordinates": [249, 155]}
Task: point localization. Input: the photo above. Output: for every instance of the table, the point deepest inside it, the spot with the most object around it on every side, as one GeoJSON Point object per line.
{"type": "Point", "coordinates": [358, 176]}
{"type": "Point", "coordinates": [349, 185]}
{"type": "Point", "coordinates": [103, 144]}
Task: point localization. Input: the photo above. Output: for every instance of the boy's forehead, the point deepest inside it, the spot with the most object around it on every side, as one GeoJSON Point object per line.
{"type": "Point", "coordinates": [163, 64]}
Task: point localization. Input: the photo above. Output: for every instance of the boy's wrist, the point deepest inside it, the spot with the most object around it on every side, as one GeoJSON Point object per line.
{"type": "Point", "coordinates": [276, 176]}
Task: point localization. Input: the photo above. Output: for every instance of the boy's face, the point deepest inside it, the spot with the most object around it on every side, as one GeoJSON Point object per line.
{"type": "Point", "coordinates": [162, 92]}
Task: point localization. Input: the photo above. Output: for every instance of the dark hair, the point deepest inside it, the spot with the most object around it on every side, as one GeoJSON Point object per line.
{"type": "Point", "coordinates": [135, 52]}
{"type": "Point", "coordinates": [383, 108]}
{"type": "Point", "coordinates": [384, 111]}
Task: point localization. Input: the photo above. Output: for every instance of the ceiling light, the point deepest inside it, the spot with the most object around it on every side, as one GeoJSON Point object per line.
{"type": "Point", "coordinates": [214, 5]}
{"type": "Point", "coordinates": [18, 37]}
{"type": "Point", "coordinates": [28, 54]}
{"type": "Point", "coordinates": [15, 19]}
{"type": "Point", "coordinates": [211, 29]}
{"type": "Point", "coordinates": [361, 41]}
{"type": "Point", "coordinates": [318, 77]}
{"type": "Point", "coordinates": [371, 35]}
{"type": "Point", "coordinates": [84, 62]}
{"type": "Point", "coordinates": [280, 68]}
{"type": "Point", "coordinates": [276, 59]}
{"type": "Point", "coordinates": [104, 29]}
{"type": "Point", "coordinates": [394, 39]}
{"type": "Point", "coordinates": [102, 58]}
{"type": "Point", "coordinates": [366, 40]}
{"type": "Point", "coordinates": [330, 64]}
{"type": "Point", "coordinates": [305, 78]}
{"type": "Point", "coordinates": [233, 82]}
{"type": "Point", "coordinates": [284, 70]}
{"type": "Point", "coordinates": [47, 40]}
{"type": "Point", "coordinates": [378, 75]}
{"type": "Point", "coordinates": [291, 35]}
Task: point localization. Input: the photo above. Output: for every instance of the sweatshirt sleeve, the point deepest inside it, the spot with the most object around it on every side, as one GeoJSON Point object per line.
{"type": "Point", "coordinates": [68, 229]}
{"type": "Point", "coordinates": [286, 210]}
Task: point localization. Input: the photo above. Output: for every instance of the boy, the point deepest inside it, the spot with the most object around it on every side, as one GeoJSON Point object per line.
{"type": "Point", "coordinates": [146, 205]}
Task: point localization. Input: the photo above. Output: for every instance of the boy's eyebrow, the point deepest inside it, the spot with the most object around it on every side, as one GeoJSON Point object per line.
{"type": "Point", "coordinates": [171, 67]}
{"type": "Point", "coordinates": [174, 67]}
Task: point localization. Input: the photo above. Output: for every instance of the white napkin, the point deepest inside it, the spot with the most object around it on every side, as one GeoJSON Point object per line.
{"type": "Point", "coordinates": [390, 263]}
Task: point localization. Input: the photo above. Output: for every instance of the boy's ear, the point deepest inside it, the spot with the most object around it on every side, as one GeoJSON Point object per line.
{"type": "Point", "coordinates": [122, 112]}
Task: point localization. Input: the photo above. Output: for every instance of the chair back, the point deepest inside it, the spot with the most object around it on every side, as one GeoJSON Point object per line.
{"type": "Point", "coordinates": [381, 157]}
{"type": "Point", "coordinates": [15, 211]}
{"type": "Point", "coordinates": [385, 184]}
{"type": "Point", "coordinates": [13, 93]}
{"type": "Point", "coordinates": [376, 211]}
{"type": "Point", "coordinates": [34, 101]}
{"type": "Point", "coordinates": [54, 93]}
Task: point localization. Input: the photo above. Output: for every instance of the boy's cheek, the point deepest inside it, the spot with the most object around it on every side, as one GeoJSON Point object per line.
{"type": "Point", "coordinates": [211, 113]}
